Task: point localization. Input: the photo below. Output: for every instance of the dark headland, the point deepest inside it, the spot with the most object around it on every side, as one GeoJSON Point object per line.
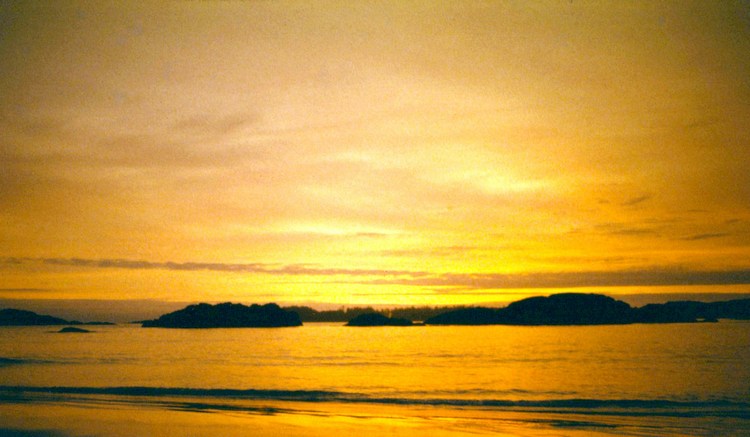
{"type": "Point", "coordinates": [592, 309]}
{"type": "Point", "coordinates": [377, 319]}
{"type": "Point", "coordinates": [226, 315]}
{"type": "Point", "coordinates": [14, 317]}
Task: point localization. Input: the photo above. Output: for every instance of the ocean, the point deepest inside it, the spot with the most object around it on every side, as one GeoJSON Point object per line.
{"type": "Point", "coordinates": [323, 379]}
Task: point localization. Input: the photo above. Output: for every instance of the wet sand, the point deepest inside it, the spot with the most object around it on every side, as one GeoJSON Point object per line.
{"type": "Point", "coordinates": [112, 418]}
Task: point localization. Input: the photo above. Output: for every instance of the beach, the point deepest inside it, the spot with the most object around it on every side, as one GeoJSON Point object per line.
{"type": "Point", "coordinates": [120, 417]}
{"type": "Point", "coordinates": [323, 379]}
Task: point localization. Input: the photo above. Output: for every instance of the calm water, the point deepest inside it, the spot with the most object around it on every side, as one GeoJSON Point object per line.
{"type": "Point", "coordinates": [635, 373]}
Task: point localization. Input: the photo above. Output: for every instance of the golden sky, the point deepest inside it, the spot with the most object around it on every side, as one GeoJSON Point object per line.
{"type": "Point", "coordinates": [400, 152]}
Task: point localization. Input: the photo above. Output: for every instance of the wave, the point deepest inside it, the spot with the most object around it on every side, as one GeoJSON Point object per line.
{"type": "Point", "coordinates": [20, 361]}
{"type": "Point", "coordinates": [625, 407]}
{"type": "Point", "coordinates": [297, 395]}
{"type": "Point", "coordinates": [4, 361]}
{"type": "Point", "coordinates": [10, 361]}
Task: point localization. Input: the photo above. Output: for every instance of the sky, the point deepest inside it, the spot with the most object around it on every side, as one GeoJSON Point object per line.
{"type": "Point", "coordinates": [395, 152]}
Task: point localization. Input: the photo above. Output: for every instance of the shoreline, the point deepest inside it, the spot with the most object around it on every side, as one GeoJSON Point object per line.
{"type": "Point", "coordinates": [116, 416]}
{"type": "Point", "coordinates": [77, 419]}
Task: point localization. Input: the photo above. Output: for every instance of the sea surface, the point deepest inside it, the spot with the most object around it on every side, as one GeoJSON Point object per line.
{"type": "Point", "coordinates": [318, 379]}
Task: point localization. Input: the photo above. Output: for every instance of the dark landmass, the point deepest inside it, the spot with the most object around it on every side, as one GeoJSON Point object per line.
{"type": "Point", "coordinates": [126, 311]}
{"type": "Point", "coordinates": [738, 309]}
{"type": "Point", "coordinates": [559, 309]}
{"type": "Point", "coordinates": [567, 309]}
{"type": "Point", "coordinates": [226, 315]}
{"type": "Point", "coordinates": [14, 317]}
{"type": "Point", "coordinates": [593, 309]}
{"type": "Point", "coordinates": [117, 311]}
{"type": "Point", "coordinates": [308, 314]}
{"type": "Point", "coordinates": [467, 316]}
{"type": "Point", "coordinates": [377, 319]}
{"type": "Point", "coordinates": [72, 329]}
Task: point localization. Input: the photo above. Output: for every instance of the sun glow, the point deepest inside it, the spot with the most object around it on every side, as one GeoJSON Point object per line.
{"type": "Point", "coordinates": [351, 154]}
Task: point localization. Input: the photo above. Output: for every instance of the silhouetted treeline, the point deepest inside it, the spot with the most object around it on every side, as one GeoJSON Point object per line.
{"type": "Point", "coordinates": [376, 319]}
{"type": "Point", "coordinates": [416, 313]}
{"type": "Point", "coordinates": [738, 309]}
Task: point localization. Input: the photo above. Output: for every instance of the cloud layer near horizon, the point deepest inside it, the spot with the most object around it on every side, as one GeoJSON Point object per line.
{"type": "Point", "coordinates": [485, 281]}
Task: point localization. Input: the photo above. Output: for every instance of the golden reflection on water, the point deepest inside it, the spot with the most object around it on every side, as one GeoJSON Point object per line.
{"type": "Point", "coordinates": [457, 362]}
{"type": "Point", "coordinates": [383, 380]}
{"type": "Point", "coordinates": [92, 418]}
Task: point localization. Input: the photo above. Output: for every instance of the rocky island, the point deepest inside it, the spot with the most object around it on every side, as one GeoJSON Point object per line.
{"type": "Point", "coordinates": [592, 309]}
{"type": "Point", "coordinates": [376, 319]}
{"type": "Point", "coordinates": [226, 315]}
{"type": "Point", "coordinates": [73, 330]}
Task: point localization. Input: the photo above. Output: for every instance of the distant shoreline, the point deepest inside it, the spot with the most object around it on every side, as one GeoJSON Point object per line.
{"type": "Point", "coordinates": [127, 311]}
{"type": "Point", "coordinates": [556, 309]}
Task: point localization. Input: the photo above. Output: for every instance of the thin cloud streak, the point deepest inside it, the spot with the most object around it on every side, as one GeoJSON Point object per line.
{"type": "Point", "coordinates": [636, 200]}
{"type": "Point", "coordinates": [25, 290]}
{"type": "Point", "coordinates": [708, 236]}
{"type": "Point", "coordinates": [259, 268]}
{"type": "Point", "coordinates": [468, 281]}
{"type": "Point", "coordinates": [626, 278]}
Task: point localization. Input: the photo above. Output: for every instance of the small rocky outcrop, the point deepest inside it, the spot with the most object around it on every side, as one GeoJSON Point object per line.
{"type": "Point", "coordinates": [73, 330]}
{"type": "Point", "coordinates": [377, 319]}
{"type": "Point", "coordinates": [226, 315]}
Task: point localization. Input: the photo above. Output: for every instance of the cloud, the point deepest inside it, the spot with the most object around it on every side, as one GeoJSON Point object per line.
{"type": "Point", "coordinates": [24, 290]}
{"type": "Point", "coordinates": [624, 229]}
{"type": "Point", "coordinates": [654, 277]}
{"type": "Point", "coordinates": [469, 281]}
{"type": "Point", "coordinates": [636, 200]}
{"type": "Point", "coordinates": [431, 251]}
{"type": "Point", "coordinates": [213, 126]}
{"type": "Point", "coordinates": [707, 236]}
{"type": "Point", "coordinates": [634, 231]}
{"type": "Point", "coordinates": [259, 268]}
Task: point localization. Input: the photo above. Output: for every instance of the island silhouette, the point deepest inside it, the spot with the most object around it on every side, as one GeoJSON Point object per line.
{"type": "Point", "coordinates": [15, 317]}
{"type": "Point", "coordinates": [73, 330]}
{"type": "Point", "coordinates": [556, 309]}
{"type": "Point", "coordinates": [377, 319]}
{"type": "Point", "coordinates": [226, 315]}
{"type": "Point", "coordinates": [592, 309]}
